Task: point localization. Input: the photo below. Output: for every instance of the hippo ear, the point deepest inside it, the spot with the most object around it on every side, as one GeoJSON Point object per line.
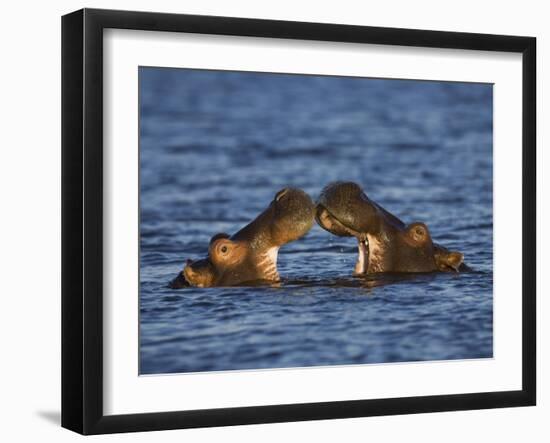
{"type": "Point", "coordinates": [418, 233]}
{"type": "Point", "coordinates": [198, 273]}
{"type": "Point", "coordinates": [451, 260]}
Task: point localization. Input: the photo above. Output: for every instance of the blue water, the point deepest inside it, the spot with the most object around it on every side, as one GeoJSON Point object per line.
{"type": "Point", "coordinates": [214, 149]}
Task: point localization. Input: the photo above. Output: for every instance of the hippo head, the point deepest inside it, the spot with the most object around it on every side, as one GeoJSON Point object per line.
{"type": "Point", "coordinates": [251, 254]}
{"type": "Point", "coordinates": [385, 243]}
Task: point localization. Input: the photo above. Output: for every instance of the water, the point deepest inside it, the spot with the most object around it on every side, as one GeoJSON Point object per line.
{"type": "Point", "coordinates": [214, 149]}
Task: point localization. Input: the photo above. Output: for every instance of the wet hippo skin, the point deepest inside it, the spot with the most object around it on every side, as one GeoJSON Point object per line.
{"type": "Point", "coordinates": [385, 243]}
{"type": "Point", "coordinates": [250, 255]}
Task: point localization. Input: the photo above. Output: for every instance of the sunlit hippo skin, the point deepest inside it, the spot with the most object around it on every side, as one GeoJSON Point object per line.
{"type": "Point", "coordinates": [250, 255]}
{"type": "Point", "coordinates": [385, 243]}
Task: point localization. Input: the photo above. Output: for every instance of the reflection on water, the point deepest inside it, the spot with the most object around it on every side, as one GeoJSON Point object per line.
{"type": "Point", "coordinates": [214, 149]}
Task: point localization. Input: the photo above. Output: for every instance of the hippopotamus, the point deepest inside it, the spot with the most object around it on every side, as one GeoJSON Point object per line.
{"type": "Point", "coordinates": [385, 243]}
{"type": "Point", "coordinates": [250, 255]}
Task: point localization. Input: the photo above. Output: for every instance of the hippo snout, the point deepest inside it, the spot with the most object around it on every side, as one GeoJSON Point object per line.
{"type": "Point", "coordinates": [293, 215]}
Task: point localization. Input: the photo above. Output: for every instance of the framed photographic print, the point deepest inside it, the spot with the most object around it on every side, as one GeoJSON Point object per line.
{"type": "Point", "coordinates": [269, 221]}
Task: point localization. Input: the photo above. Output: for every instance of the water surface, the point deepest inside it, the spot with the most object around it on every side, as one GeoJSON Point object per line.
{"type": "Point", "coordinates": [214, 149]}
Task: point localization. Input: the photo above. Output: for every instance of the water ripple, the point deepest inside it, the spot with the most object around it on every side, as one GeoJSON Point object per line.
{"type": "Point", "coordinates": [215, 147]}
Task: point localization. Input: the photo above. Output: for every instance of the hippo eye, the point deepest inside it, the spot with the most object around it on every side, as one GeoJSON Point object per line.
{"type": "Point", "coordinates": [223, 249]}
{"type": "Point", "coordinates": [419, 231]}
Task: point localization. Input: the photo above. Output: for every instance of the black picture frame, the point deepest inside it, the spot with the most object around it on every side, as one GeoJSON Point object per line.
{"type": "Point", "coordinates": [82, 219]}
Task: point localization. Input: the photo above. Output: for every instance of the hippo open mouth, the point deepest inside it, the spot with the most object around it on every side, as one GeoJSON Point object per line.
{"type": "Point", "coordinates": [385, 243]}
{"type": "Point", "coordinates": [330, 223]}
{"type": "Point", "coordinates": [250, 255]}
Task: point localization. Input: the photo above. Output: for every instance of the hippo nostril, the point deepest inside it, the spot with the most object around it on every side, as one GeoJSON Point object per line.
{"type": "Point", "coordinates": [281, 194]}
